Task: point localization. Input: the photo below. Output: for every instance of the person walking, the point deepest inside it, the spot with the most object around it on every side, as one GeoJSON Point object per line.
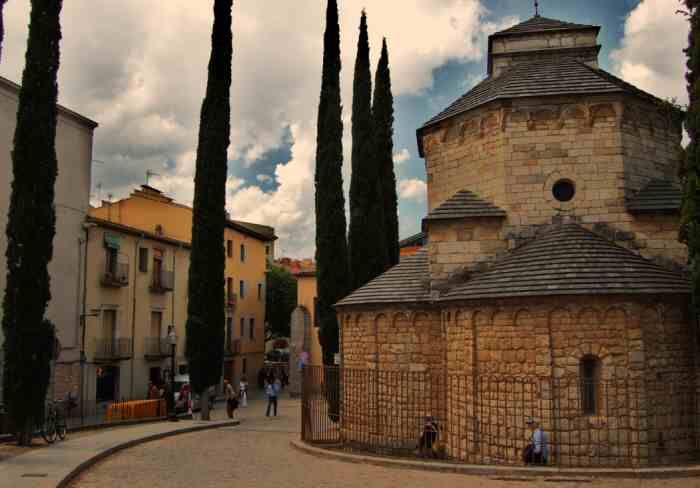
{"type": "Point", "coordinates": [231, 399]}
{"type": "Point", "coordinates": [243, 391]}
{"type": "Point", "coordinates": [271, 397]}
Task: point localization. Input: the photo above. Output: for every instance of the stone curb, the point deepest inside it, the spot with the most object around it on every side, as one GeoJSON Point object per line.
{"type": "Point", "coordinates": [135, 442]}
{"type": "Point", "coordinates": [519, 472]}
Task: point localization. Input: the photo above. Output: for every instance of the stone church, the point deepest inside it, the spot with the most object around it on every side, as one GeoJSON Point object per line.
{"type": "Point", "coordinates": [552, 285]}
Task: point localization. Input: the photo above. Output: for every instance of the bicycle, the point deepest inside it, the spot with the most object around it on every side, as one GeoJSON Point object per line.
{"type": "Point", "coordinates": [55, 424]}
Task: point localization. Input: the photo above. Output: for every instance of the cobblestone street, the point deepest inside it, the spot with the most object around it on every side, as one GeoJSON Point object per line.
{"type": "Point", "coordinates": [258, 454]}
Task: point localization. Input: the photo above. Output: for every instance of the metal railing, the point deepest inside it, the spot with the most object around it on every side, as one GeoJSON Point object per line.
{"type": "Point", "coordinates": [232, 347]}
{"type": "Point", "coordinates": [163, 281]}
{"type": "Point", "coordinates": [231, 300]}
{"type": "Point", "coordinates": [157, 347]}
{"type": "Point", "coordinates": [116, 276]}
{"type": "Point", "coordinates": [489, 420]}
{"type": "Point", "coordinates": [113, 349]}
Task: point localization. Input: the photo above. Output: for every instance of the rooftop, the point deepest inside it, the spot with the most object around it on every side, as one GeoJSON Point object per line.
{"type": "Point", "coordinates": [465, 204]}
{"type": "Point", "coordinates": [539, 24]}
{"type": "Point", "coordinates": [657, 196]}
{"type": "Point", "coordinates": [547, 77]}
{"type": "Point", "coordinates": [566, 260]}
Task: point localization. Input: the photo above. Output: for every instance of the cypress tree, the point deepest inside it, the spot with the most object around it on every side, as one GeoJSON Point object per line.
{"type": "Point", "coordinates": [205, 309]}
{"type": "Point", "coordinates": [332, 269]}
{"type": "Point", "coordinates": [690, 169]}
{"type": "Point", "coordinates": [2, 26]}
{"type": "Point", "coordinates": [368, 256]}
{"type": "Point", "coordinates": [31, 226]}
{"type": "Point", "coordinates": [383, 121]}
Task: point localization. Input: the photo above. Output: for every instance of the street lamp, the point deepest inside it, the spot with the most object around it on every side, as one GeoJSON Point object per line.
{"type": "Point", "coordinates": [172, 340]}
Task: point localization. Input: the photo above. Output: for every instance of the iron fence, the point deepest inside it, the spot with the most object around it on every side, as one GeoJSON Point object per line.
{"type": "Point", "coordinates": [493, 420]}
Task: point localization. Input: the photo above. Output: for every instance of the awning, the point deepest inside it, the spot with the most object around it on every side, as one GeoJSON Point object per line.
{"type": "Point", "coordinates": [112, 240]}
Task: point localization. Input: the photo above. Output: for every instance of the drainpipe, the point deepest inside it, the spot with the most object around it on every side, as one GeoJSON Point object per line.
{"type": "Point", "coordinates": [83, 321]}
{"type": "Point", "coordinates": [133, 313]}
{"type": "Point", "coordinates": [172, 297]}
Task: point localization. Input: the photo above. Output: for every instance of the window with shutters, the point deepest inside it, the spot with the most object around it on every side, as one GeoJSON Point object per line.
{"type": "Point", "coordinates": [143, 259]}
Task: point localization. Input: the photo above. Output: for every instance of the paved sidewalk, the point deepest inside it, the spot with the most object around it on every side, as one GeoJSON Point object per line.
{"type": "Point", "coordinates": [49, 466]}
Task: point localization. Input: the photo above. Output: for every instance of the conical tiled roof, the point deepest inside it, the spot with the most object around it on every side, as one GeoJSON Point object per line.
{"type": "Point", "coordinates": [570, 260]}
{"type": "Point", "coordinates": [657, 196]}
{"type": "Point", "coordinates": [465, 204]}
{"type": "Point", "coordinates": [540, 24]}
{"type": "Point", "coordinates": [547, 77]}
{"type": "Point", "coordinates": [405, 282]}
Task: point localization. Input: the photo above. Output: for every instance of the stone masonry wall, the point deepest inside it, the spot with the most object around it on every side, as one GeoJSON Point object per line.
{"type": "Point", "coordinates": [609, 147]}
{"type": "Point", "coordinates": [393, 375]}
{"type": "Point", "coordinates": [511, 50]}
{"type": "Point", "coordinates": [458, 244]}
{"type": "Point", "coordinates": [482, 369]}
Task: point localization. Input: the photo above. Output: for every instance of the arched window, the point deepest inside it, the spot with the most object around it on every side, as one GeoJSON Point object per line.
{"type": "Point", "coordinates": [590, 376]}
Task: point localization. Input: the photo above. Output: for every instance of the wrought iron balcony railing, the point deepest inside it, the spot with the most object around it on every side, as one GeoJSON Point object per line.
{"type": "Point", "coordinates": [233, 347]}
{"type": "Point", "coordinates": [113, 349]}
{"type": "Point", "coordinates": [157, 347]}
{"type": "Point", "coordinates": [116, 275]}
{"type": "Point", "coordinates": [163, 281]}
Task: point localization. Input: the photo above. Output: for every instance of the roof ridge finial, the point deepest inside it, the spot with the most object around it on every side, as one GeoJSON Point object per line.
{"type": "Point", "coordinates": [537, 8]}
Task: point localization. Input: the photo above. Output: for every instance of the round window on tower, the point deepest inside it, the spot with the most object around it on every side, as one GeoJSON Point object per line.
{"type": "Point", "coordinates": [564, 190]}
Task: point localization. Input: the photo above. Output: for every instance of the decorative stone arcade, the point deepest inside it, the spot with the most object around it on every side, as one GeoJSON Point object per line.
{"type": "Point", "coordinates": [552, 285]}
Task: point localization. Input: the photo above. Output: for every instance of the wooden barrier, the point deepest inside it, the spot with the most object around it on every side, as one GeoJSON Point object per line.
{"type": "Point", "coordinates": [133, 410]}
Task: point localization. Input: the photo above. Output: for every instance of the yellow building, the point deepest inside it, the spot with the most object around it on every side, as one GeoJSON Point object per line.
{"type": "Point", "coordinates": [307, 298]}
{"type": "Point", "coordinates": [138, 262]}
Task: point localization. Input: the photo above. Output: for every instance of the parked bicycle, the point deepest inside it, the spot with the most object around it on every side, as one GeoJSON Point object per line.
{"type": "Point", "coordinates": [55, 424]}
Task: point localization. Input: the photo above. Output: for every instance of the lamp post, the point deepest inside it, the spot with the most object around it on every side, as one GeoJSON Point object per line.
{"type": "Point", "coordinates": [172, 340]}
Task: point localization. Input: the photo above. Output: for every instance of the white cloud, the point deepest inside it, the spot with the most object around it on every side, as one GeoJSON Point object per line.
{"type": "Point", "coordinates": [413, 189]}
{"type": "Point", "coordinates": [402, 156]}
{"type": "Point", "coordinates": [263, 178]}
{"type": "Point", "coordinates": [651, 53]}
{"type": "Point", "coordinates": [140, 71]}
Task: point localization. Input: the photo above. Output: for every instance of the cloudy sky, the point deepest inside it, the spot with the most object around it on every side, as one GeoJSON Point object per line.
{"type": "Point", "coordinates": [138, 67]}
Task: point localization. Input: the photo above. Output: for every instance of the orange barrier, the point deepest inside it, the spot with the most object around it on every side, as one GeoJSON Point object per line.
{"type": "Point", "coordinates": [138, 409]}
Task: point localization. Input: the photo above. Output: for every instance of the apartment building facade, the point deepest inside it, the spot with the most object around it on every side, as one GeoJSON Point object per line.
{"type": "Point", "coordinates": [74, 139]}
{"type": "Point", "coordinates": [137, 288]}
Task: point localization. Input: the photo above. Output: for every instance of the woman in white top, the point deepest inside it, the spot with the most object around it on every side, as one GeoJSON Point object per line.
{"type": "Point", "coordinates": [243, 391]}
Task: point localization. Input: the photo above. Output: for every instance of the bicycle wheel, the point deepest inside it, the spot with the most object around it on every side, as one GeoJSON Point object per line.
{"type": "Point", "coordinates": [61, 428]}
{"type": "Point", "coordinates": [48, 430]}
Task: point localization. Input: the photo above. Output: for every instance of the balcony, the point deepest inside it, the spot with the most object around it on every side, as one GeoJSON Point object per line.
{"type": "Point", "coordinates": [232, 347]}
{"type": "Point", "coordinates": [116, 275]}
{"type": "Point", "coordinates": [231, 300]}
{"type": "Point", "coordinates": [157, 348]}
{"type": "Point", "coordinates": [113, 349]}
{"type": "Point", "coordinates": [163, 281]}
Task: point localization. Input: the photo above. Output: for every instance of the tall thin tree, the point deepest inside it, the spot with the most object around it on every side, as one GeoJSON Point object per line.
{"type": "Point", "coordinates": [690, 169]}
{"type": "Point", "coordinates": [31, 225]}
{"type": "Point", "coordinates": [332, 267]}
{"type": "Point", "coordinates": [368, 256]}
{"type": "Point", "coordinates": [205, 309]}
{"type": "Point", "coordinates": [383, 124]}
{"type": "Point", "coordinates": [2, 25]}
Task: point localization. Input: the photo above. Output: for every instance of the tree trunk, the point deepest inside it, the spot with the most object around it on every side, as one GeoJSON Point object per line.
{"type": "Point", "coordinates": [204, 403]}
{"type": "Point", "coordinates": [25, 435]}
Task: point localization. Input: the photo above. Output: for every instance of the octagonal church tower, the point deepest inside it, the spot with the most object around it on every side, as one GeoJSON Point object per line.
{"type": "Point", "coordinates": [552, 256]}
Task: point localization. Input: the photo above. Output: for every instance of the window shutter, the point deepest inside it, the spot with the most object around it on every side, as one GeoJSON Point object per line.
{"type": "Point", "coordinates": [143, 259]}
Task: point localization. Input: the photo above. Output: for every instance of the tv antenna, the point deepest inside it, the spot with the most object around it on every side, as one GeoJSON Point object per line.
{"type": "Point", "coordinates": [150, 173]}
